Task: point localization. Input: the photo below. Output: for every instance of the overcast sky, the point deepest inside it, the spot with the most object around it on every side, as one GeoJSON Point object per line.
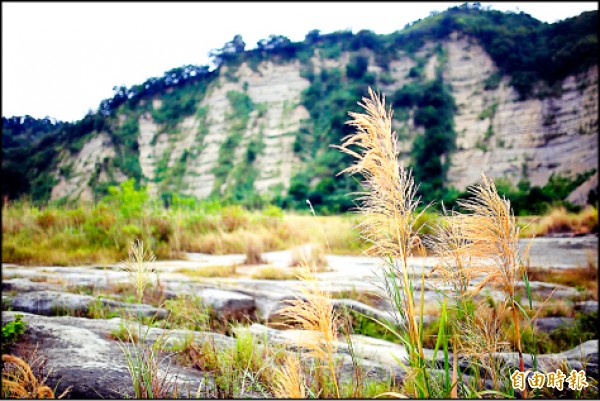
{"type": "Point", "coordinates": [61, 59]}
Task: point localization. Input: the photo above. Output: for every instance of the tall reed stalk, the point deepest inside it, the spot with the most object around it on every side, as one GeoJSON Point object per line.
{"type": "Point", "coordinates": [313, 311]}
{"type": "Point", "coordinates": [139, 266]}
{"type": "Point", "coordinates": [390, 219]}
{"type": "Point", "coordinates": [491, 230]}
{"type": "Point", "coordinates": [143, 359]}
{"type": "Point", "coordinates": [454, 268]}
{"type": "Point", "coordinates": [477, 249]}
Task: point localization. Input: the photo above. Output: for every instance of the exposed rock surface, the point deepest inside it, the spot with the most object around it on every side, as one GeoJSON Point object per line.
{"type": "Point", "coordinates": [370, 352]}
{"type": "Point", "coordinates": [587, 306]}
{"type": "Point", "coordinates": [274, 87]}
{"type": "Point", "coordinates": [580, 195]}
{"type": "Point", "coordinates": [552, 323]}
{"type": "Point", "coordinates": [51, 303]}
{"type": "Point", "coordinates": [562, 252]}
{"type": "Point", "coordinates": [387, 354]}
{"type": "Point", "coordinates": [71, 276]}
{"type": "Point", "coordinates": [80, 351]}
{"type": "Point", "coordinates": [584, 356]}
{"type": "Point", "coordinates": [555, 135]}
{"type": "Point", "coordinates": [496, 132]}
{"type": "Point", "coordinates": [228, 304]}
{"type": "Point", "coordinates": [26, 285]}
{"type": "Point", "coordinates": [81, 356]}
{"type": "Point", "coordinates": [261, 299]}
{"type": "Point", "coordinates": [82, 166]}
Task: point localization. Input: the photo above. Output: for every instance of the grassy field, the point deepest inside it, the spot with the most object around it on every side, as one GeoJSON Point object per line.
{"type": "Point", "coordinates": [102, 233]}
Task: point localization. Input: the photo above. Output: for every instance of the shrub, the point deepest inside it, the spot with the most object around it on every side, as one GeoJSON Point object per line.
{"type": "Point", "coordinates": [129, 202]}
{"type": "Point", "coordinates": [273, 211]}
{"type": "Point", "coordinates": [46, 219]}
{"type": "Point", "coordinates": [233, 218]}
{"type": "Point", "coordinates": [357, 67]}
{"type": "Point", "coordinates": [11, 331]}
{"type": "Point", "coordinates": [254, 249]}
{"type": "Point", "coordinates": [187, 312]}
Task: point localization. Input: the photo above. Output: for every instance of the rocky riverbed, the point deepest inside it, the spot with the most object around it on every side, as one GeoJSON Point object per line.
{"type": "Point", "coordinates": [73, 312]}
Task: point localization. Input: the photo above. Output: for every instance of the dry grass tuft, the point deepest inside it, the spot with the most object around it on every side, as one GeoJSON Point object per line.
{"type": "Point", "coordinates": [452, 247]}
{"type": "Point", "coordinates": [560, 221]}
{"type": "Point", "coordinates": [588, 219]}
{"type": "Point", "coordinates": [210, 271]}
{"type": "Point", "coordinates": [492, 234]}
{"type": "Point", "coordinates": [125, 333]}
{"type": "Point", "coordinates": [389, 205]}
{"type": "Point", "coordinates": [18, 380]}
{"type": "Point", "coordinates": [143, 365]}
{"type": "Point", "coordinates": [556, 307]}
{"type": "Point", "coordinates": [290, 381]}
{"type": "Point", "coordinates": [187, 312]}
{"type": "Point", "coordinates": [153, 294]}
{"type": "Point", "coordinates": [143, 360]}
{"type": "Point", "coordinates": [481, 334]}
{"type": "Point", "coordinates": [239, 369]}
{"type": "Point", "coordinates": [234, 218]}
{"type": "Point", "coordinates": [313, 311]}
{"type": "Point", "coordinates": [309, 255]}
{"type": "Point", "coordinates": [95, 234]}
{"type": "Point", "coordinates": [254, 250]}
{"type": "Point", "coordinates": [481, 337]}
{"type": "Point", "coordinates": [274, 273]}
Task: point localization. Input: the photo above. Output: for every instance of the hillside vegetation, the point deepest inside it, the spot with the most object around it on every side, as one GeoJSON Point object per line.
{"type": "Point", "coordinates": [336, 68]}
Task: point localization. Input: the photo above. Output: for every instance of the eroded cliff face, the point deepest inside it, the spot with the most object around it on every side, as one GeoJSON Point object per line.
{"type": "Point", "coordinates": [75, 172]}
{"type": "Point", "coordinates": [496, 132]}
{"type": "Point", "coordinates": [274, 88]}
{"type": "Point", "coordinates": [505, 137]}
